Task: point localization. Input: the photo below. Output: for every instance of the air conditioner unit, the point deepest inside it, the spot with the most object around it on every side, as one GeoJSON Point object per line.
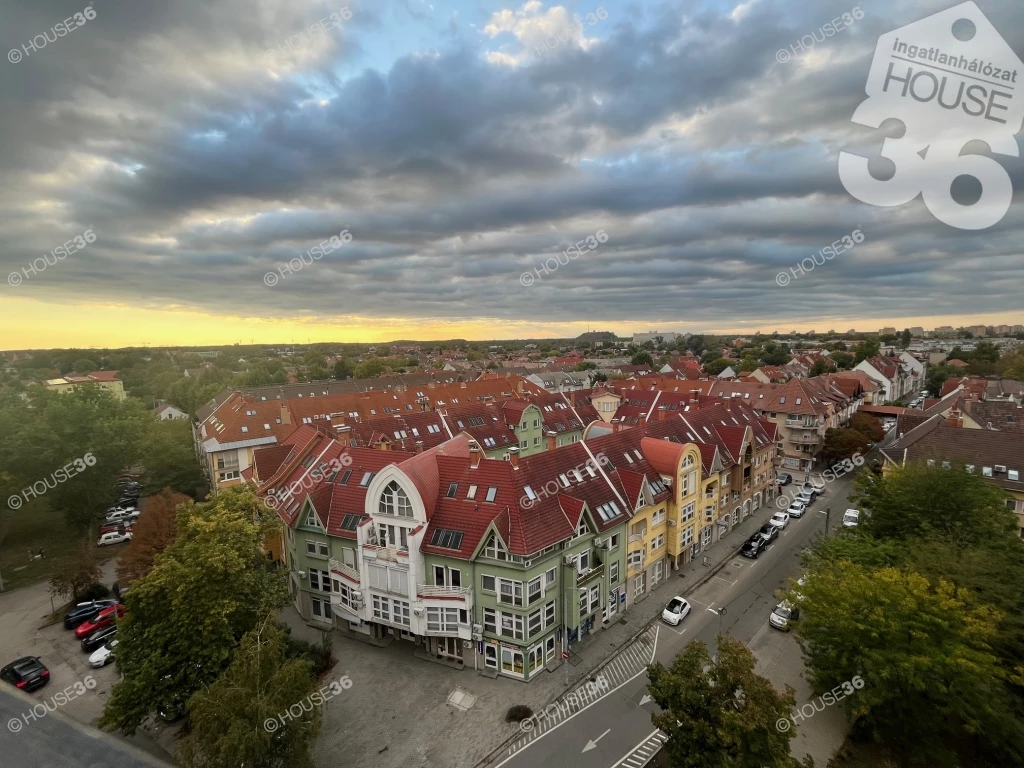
{"type": "Point", "coordinates": [569, 560]}
{"type": "Point", "coordinates": [302, 574]}
{"type": "Point", "coordinates": [999, 468]}
{"type": "Point", "coordinates": [672, 523]}
{"type": "Point", "coordinates": [527, 563]}
{"type": "Point", "coordinates": [418, 610]}
{"type": "Point", "coordinates": [467, 643]}
{"type": "Point", "coordinates": [477, 629]}
{"type": "Point", "coordinates": [357, 595]}
{"type": "Point", "coordinates": [598, 542]}
{"type": "Point", "coordinates": [478, 636]}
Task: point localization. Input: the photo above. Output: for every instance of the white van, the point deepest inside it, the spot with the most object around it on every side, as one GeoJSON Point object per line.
{"type": "Point", "coordinates": [851, 517]}
{"type": "Point", "coordinates": [113, 537]}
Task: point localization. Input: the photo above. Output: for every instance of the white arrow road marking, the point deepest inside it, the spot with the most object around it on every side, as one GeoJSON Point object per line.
{"type": "Point", "coordinates": [592, 744]}
{"type": "Point", "coordinates": [646, 698]}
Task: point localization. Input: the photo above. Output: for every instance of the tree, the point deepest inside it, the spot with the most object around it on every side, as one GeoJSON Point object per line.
{"type": "Point", "coordinates": [584, 366]}
{"type": "Point", "coordinates": [986, 352]}
{"type": "Point", "coordinates": [84, 365]}
{"type": "Point", "coordinates": [843, 360]}
{"type": "Point", "coordinates": [696, 345]}
{"type": "Point", "coordinates": [169, 458]}
{"type": "Point", "coordinates": [716, 366]}
{"type": "Point", "coordinates": [151, 535]}
{"type": "Point", "coordinates": [642, 358]}
{"type": "Point", "coordinates": [774, 355]}
{"type": "Point", "coordinates": [76, 571]}
{"type": "Point", "coordinates": [186, 617]}
{"type": "Point", "coordinates": [905, 338]}
{"type": "Point", "coordinates": [842, 444]}
{"type": "Point", "coordinates": [865, 349]}
{"type": "Point", "coordinates": [922, 651]}
{"type": "Point", "coordinates": [228, 720]}
{"type": "Point", "coordinates": [370, 369]}
{"type": "Point", "coordinates": [718, 713]}
{"type": "Point", "coordinates": [937, 377]}
{"type": "Point", "coordinates": [343, 368]}
{"type": "Point", "coordinates": [819, 367]}
{"type": "Point", "coordinates": [868, 426]}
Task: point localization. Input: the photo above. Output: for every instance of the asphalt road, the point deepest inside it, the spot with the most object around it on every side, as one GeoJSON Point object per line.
{"type": "Point", "coordinates": [612, 732]}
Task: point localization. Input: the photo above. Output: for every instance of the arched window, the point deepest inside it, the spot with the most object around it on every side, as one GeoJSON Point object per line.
{"type": "Point", "coordinates": [394, 501]}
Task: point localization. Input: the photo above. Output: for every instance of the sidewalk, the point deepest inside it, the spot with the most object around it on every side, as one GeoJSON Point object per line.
{"type": "Point", "coordinates": [397, 713]}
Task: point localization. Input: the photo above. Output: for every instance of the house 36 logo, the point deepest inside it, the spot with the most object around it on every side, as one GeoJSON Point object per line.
{"type": "Point", "coordinates": [950, 79]}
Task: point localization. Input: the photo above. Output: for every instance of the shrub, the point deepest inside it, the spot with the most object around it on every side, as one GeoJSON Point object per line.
{"type": "Point", "coordinates": [518, 713]}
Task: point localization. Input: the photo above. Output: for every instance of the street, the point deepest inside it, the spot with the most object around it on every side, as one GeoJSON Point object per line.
{"type": "Point", "coordinates": [616, 729]}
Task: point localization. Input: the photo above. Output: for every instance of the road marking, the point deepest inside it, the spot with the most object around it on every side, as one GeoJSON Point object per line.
{"type": "Point", "coordinates": [643, 752]}
{"type": "Point", "coordinates": [592, 744]}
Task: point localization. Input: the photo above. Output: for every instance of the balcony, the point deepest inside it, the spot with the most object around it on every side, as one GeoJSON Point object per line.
{"type": "Point", "coordinates": [635, 537]}
{"type": "Point", "coordinates": [431, 591]}
{"type": "Point", "coordinates": [710, 494]}
{"type": "Point", "coordinates": [393, 554]}
{"type": "Point", "coordinates": [346, 570]}
{"type": "Point", "coordinates": [594, 573]}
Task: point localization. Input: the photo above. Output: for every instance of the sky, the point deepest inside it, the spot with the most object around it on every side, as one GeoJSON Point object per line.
{"type": "Point", "coordinates": [452, 149]}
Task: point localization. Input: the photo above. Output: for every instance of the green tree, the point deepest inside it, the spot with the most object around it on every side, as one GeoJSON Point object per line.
{"type": "Point", "coordinates": [642, 358]}
{"type": "Point", "coordinates": [868, 426]}
{"type": "Point", "coordinates": [819, 367]}
{"type": "Point", "coordinates": [370, 369]}
{"type": "Point", "coordinates": [843, 360]}
{"type": "Point", "coordinates": [905, 338]}
{"type": "Point", "coordinates": [986, 352]}
{"type": "Point", "coordinates": [584, 366]}
{"type": "Point", "coordinates": [775, 355]}
{"type": "Point", "coordinates": [717, 712]}
{"type": "Point", "coordinates": [186, 617]}
{"type": "Point", "coordinates": [716, 366]}
{"type": "Point", "coordinates": [865, 349]}
{"type": "Point", "coordinates": [343, 368]}
{"type": "Point", "coordinates": [84, 365]}
{"type": "Point", "coordinates": [922, 651]}
{"type": "Point", "coordinates": [76, 571]}
{"type": "Point", "coordinates": [937, 377]}
{"type": "Point", "coordinates": [228, 720]}
{"type": "Point", "coordinates": [169, 458]}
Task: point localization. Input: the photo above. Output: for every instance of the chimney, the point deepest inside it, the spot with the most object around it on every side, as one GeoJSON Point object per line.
{"type": "Point", "coordinates": [519, 387]}
{"type": "Point", "coordinates": [474, 456]}
{"type": "Point", "coordinates": [955, 419]}
{"type": "Point", "coordinates": [572, 398]}
{"type": "Point", "coordinates": [694, 396]}
{"type": "Point", "coordinates": [286, 415]}
{"type": "Point", "coordinates": [662, 412]}
{"type": "Point", "coordinates": [552, 439]}
{"type": "Point", "coordinates": [513, 456]}
{"type": "Point", "coordinates": [419, 446]}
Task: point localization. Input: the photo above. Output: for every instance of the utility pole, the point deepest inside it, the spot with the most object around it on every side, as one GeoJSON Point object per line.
{"type": "Point", "coordinates": [828, 515]}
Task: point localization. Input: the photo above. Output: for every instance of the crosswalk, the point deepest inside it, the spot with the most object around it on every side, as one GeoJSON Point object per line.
{"type": "Point", "coordinates": [644, 752]}
{"type": "Point", "coordinates": [625, 665]}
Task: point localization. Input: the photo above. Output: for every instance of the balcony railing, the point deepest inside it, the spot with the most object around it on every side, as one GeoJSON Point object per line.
{"type": "Point", "coordinates": [432, 590]}
{"type": "Point", "coordinates": [347, 570]}
{"type": "Point", "coordinates": [594, 573]}
{"type": "Point", "coordinates": [394, 554]}
{"type": "Point", "coordinates": [634, 537]}
{"type": "Point", "coordinates": [709, 495]}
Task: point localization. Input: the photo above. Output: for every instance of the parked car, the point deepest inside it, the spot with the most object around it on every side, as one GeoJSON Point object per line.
{"type": "Point", "coordinates": [131, 507]}
{"type": "Point", "coordinates": [103, 619]}
{"type": "Point", "coordinates": [783, 478]}
{"type": "Point", "coordinates": [796, 509]}
{"type": "Point", "coordinates": [675, 611]}
{"type": "Point", "coordinates": [817, 485]}
{"type": "Point", "coordinates": [851, 518]}
{"type": "Point", "coordinates": [27, 673]}
{"type": "Point", "coordinates": [104, 654]}
{"type": "Point", "coordinates": [123, 514]}
{"type": "Point", "coordinates": [85, 611]}
{"type": "Point", "coordinates": [780, 519]}
{"type": "Point", "coordinates": [98, 638]}
{"type": "Point", "coordinates": [784, 613]}
{"type": "Point", "coordinates": [754, 546]}
{"type": "Point", "coordinates": [120, 526]}
{"type": "Point", "coordinates": [805, 497]}
{"type": "Point", "coordinates": [113, 537]}
{"type": "Point", "coordinates": [768, 532]}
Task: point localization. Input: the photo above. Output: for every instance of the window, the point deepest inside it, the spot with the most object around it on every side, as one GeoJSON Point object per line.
{"type": "Point", "coordinates": [613, 573]}
{"type": "Point", "coordinates": [349, 522]}
{"type": "Point", "coordinates": [1011, 505]}
{"type": "Point", "coordinates": [511, 625]}
{"type": "Point", "coordinates": [659, 517]}
{"type": "Point", "coordinates": [443, 620]}
{"type": "Point", "coordinates": [448, 539]}
{"type": "Point", "coordinates": [367, 477]}
{"type": "Point", "coordinates": [439, 580]}
{"type": "Point", "coordinates": [536, 441]}
{"type": "Point", "coordinates": [348, 556]}
{"type": "Point", "coordinates": [314, 578]}
{"type": "Point", "coordinates": [510, 592]}
{"type": "Point", "coordinates": [613, 542]}
{"type": "Point", "coordinates": [311, 547]}
{"type": "Point", "coordinates": [635, 559]}
{"type": "Point", "coordinates": [658, 542]}
{"type": "Point", "coordinates": [533, 624]}
{"type": "Point", "coordinates": [687, 537]}
{"type": "Point", "coordinates": [394, 501]}
{"type": "Point", "coordinates": [399, 581]}
{"type": "Point", "coordinates": [582, 529]}
{"type": "Point", "coordinates": [550, 577]}
{"type": "Point", "coordinates": [549, 614]}
{"type": "Point", "coordinates": [487, 583]}
{"type": "Point", "coordinates": [452, 490]}
{"type": "Point", "coordinates": [688, 512]}
{"type": "Point", "coordinates": [534, 590]}
{"type": "Point", "coordinates": [492, 492]}
{"type": "Point", "coordinates": [312, 520]}
{"type": "Point", "coordinates": [377, 576]}
{"type": "Point", "coordinates": [490, 621]}
{"type": "Point", "coordinates": [321, 608]}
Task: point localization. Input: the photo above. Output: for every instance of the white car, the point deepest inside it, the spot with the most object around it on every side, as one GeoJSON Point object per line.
{"type": "Point", "coordinates": [784, 612]}
{"type": "Point", "coordinates": [805, 497]}
{"type": "Point", "coordinates": [675, 611]}
{"type": "Point", "coordinates": [113, 537]}
{"type": "Point", "coordinates": [796, 509]}
{"type": "Point", "coordinates": [104, 654]}
{"type": "Point", "coordinates": [122, 514]}
{"type": "Point", "coordinates": [779, 519]}
{"type": "Point", "coordinates": [851, 518]}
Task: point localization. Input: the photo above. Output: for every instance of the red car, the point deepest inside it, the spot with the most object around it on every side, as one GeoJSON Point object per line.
{"type": "Point", "coordinates": [103, 619]}
{"type": "Point", "coordinates": [124, 525]}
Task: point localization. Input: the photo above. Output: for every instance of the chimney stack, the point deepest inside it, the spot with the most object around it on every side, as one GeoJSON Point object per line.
{"type": "Point", "coordinates": [419, 446]}
{"type": "Point", "coordinates": [552, 439]}
{"type": "Point", "coordinates": [513, 456]}
{"type": "Point", "coordinates": [572, 398]}
{"type": "Point", "coordinates": [474, 456]}
{"type": "Point", "coordinates": [286, 415]}
{"type": "Point", "coordinates": [662, 412]}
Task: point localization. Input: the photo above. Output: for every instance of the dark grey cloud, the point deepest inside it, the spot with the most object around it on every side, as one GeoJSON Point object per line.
{"type": "Point", "coordinates": [710, 166]}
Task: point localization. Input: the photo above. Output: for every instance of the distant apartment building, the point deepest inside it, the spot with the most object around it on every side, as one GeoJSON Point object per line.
{"type": "Point", "coordinates": [105, 380]}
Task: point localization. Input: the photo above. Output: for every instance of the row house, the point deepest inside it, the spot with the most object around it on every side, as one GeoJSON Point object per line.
{"type": "Point", "coordinates": [896, 376]}
{"type": "Point", "coordinates": [505, 564]}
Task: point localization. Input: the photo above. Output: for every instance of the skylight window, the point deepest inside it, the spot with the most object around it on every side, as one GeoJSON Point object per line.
{"type": "Point", "coordinates": [492, 493]}
{"type": "Point", "coordinates": [471, 493]}
{"type": "Point", "coordinates": [529, 493]}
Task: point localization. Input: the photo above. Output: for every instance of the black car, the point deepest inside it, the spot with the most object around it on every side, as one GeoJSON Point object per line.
{"type": "Point", "coordinates": [768, 532]}
{"type": "Point", "coordinates": [27, 673]}
{"type": "Point", "coordinates": [754, 546]}
{"type": "Point", "coordinates": [98, 638]}
{"type": "Point", "coordinates": [783, 479]}
{"type": "Point", "coordinates": [85, 612]}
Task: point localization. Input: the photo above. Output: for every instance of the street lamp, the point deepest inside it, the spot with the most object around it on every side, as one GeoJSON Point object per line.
{"type": "Point", "coordinates": [565, 627]}
{"type": "Point", "coordinates": [719, 613]}
{"type": "Point", "coordinates": [828, 515]}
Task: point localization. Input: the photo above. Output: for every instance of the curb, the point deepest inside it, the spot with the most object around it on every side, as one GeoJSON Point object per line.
{"type": "Point", "coordinates": [706, 577]}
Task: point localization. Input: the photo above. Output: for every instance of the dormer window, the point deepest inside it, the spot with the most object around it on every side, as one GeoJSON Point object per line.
{"type": "Point", "coordinates": [394, 501]}
{"type": "Point", "coordinates": [312, 520]}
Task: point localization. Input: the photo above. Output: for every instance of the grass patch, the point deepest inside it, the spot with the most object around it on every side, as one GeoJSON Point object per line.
{"type": "Point", "coordinates": [32, 527]}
